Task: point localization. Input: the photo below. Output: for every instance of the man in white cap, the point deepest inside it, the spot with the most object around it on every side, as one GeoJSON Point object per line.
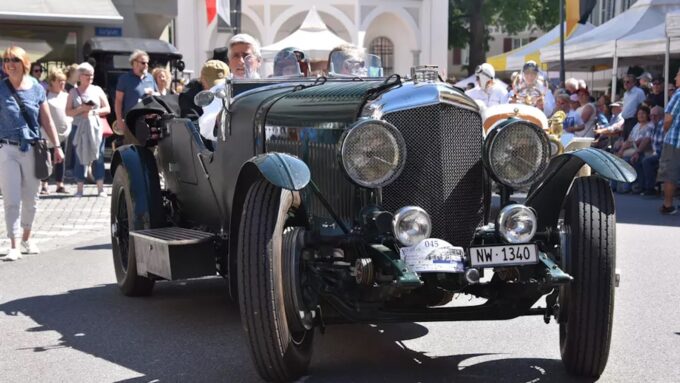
{"type": "Point", "coordinates": [487, 90]}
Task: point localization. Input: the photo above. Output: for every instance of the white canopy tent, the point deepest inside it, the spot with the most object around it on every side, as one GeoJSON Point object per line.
{"type": "Point", "coordinates": [463, 83]}
{"type": "Point", "coordinates": [313, 37]}
{"type": "Point", "coordinates": [627, 35]}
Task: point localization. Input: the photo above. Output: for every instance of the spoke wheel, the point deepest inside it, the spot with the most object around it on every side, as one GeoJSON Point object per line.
{"type": "Point", "coordinates": [124, 261]}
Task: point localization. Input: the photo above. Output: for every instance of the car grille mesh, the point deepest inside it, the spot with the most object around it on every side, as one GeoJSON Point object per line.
{"type": "Point", "coordinates": [443, 172]}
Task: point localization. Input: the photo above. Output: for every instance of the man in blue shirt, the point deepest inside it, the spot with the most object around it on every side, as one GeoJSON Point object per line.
{"type": "Point", "coordinates": [132, 86]}
{"type": "Point", "coordinates": [669, 164]}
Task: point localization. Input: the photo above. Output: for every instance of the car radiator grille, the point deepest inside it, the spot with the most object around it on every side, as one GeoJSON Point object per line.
{"type": "Point", "coordinates": [443, 172]}
{"type": "Point", "coordinates": [324, 166]}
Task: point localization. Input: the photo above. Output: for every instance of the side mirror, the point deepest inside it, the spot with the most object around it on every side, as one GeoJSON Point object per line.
{"type": "Point", "coordinates": [180, 65]}
{"type": "Point", "coordinates": [204, 98]}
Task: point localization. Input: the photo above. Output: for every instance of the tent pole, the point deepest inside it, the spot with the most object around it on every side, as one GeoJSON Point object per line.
{"type": "Point", "coordinates": [666, 70]}
{"type": "Point", "coordinates": [615, 71]}
{"type": "Point", "coordinates": [562, 22]}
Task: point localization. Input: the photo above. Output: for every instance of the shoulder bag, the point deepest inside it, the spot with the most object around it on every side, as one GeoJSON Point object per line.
{"type": "Point", "coordinates": [43, 161]}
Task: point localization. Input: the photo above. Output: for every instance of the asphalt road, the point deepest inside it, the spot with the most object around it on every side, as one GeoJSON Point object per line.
{"type": "Point", "coordinates": [62, 319]}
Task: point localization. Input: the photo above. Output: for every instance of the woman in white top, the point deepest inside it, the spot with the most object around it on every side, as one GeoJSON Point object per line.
{"type": "Point", "coordinates": [56, 100]}
{"type": "Point", "coordinates": [86, 104]}
{"type": "Point", "coordinates": [642, 129]}
{"type": "Point", "coordinates": [588, 116]}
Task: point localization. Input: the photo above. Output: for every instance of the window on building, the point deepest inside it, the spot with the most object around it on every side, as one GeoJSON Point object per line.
{"type": "Point", "coordinates": [607, 10]}
{"type": "Point", "coordinates": [520, 42]}
{"type": "Point", "coordinates": [383, 48]}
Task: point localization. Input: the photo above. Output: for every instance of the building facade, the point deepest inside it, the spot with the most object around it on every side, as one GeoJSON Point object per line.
{"type": "Point", "coordinates": [53, 31]}
{"type": "Point", "coordinates": [403, 32]}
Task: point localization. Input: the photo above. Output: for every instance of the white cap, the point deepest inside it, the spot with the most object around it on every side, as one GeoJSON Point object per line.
{"type": "Point", "coordinates": [486, 69]}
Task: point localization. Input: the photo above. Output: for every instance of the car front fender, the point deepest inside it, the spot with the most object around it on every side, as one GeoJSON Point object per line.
{"type": "Point", "coordinates": [549, 195]}
{"type": "Point", "coordinates": [143, 180]}
{"type": "Point", "coordinates": [282, 170]}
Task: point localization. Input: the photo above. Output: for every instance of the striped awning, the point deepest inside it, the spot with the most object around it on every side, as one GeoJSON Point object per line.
{"type": "Point", "coordinates": [515, 59]}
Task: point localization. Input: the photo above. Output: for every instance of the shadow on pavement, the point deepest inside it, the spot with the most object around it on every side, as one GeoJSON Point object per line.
{"type": "Point", "coordinates": [191, 332]}
{"type": "Point", "coordinates": [102, 246]}
{"type": "Point", "coordinates": [638, 210]}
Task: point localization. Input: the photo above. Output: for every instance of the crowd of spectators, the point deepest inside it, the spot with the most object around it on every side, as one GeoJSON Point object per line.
{"type": "Point", "coordinates": [632, 126]}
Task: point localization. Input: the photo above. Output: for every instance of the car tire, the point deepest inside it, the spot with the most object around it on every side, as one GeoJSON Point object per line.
{"type": "Point", "coordinates": [278, 352]}
{"type": "Point", "coordinates": [124, 260]}
{"type": "Point", "coordinates": [589, 256]}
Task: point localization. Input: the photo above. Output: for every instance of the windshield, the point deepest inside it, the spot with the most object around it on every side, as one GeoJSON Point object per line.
{"type": "Point", "coordinates": [286, 65]}
{"type": "Point", "coordinates": [354, 64]}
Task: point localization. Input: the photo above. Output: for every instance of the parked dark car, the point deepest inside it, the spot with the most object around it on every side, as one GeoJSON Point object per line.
{"type": "Point", "coordinates": [366, 201]}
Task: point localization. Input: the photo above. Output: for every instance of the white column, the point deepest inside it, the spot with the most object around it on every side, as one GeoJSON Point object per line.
{"type": "Point", "coordinates": [615, 71]}
{"type": "Point", "coordinates": [438, 36]}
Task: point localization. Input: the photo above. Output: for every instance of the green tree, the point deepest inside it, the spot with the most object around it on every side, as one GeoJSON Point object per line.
{"type": "Point", "coordinates": [469, 22]}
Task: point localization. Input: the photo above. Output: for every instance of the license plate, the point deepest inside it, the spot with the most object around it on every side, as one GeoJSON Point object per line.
{"type": "Point", "coordinates": [504, 255]}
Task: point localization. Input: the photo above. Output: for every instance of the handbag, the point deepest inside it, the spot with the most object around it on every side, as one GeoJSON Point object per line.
{"type": "Point", "coordinates": [43, 161]}
{"type": "Point", "coordinates": [106, 127]}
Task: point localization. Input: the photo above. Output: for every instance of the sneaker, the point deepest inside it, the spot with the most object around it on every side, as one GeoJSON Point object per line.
{"type": "Point", "coordinates": [61, 190]}
{"type": "Point", "coordinates": [12, 255]}
{"type": "Point", "coordinates": [28, 247]}
{"type": "Point", "coordinates": [78, 194]}
{"type": "Point", "coordinates": [668, 210]}
{"type": "Point", "coordinates": [44, 191]}
{"type": "Point", "coordinates": [102, 194]}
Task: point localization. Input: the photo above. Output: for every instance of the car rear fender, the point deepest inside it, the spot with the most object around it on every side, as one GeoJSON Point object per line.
{"type": "Point", "coordinates": [282, 170]}
{"type": "Point", "coordinates": [144, 183]}
{"type": "Point", "coordinates": [549, 195]}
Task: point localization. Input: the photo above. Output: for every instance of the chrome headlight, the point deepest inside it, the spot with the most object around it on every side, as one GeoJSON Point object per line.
{"type": "Point", "coordinates": [411, 225]}
{"type": "Point", "coordinates": [517, 223]}
{"type": "Point", "coordinates": [373, 153]}
{"type": "Point", "coordinates": [517, 153]}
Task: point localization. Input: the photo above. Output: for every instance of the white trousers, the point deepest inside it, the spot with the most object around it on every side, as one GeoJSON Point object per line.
{"type": "Point", "coordinates": [19, 187]}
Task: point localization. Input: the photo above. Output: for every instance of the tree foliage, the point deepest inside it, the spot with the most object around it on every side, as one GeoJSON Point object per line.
{"type": "Point", "coordinates": [469, 21]}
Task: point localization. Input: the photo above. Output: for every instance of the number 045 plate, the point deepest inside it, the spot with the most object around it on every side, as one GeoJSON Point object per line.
{"type": "Point", "coordinates": [504, 255]}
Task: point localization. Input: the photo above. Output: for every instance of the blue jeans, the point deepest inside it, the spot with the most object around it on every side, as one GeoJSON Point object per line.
{"type": "Point", "coordinates": [649, 166]}
{"type": "Point", "coordinates": [98, 170]}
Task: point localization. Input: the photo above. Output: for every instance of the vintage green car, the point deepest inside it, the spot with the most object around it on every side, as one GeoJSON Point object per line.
{"type": "Point", "coordinates": [366, 200]}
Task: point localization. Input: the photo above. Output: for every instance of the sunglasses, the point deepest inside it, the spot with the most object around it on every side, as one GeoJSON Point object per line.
{"type": "Point", "coordinates": [11, 60]}
{"type": "Point", "coordinates": [37, 70]}
{"type": "Point", "coordinates": [143, 62]}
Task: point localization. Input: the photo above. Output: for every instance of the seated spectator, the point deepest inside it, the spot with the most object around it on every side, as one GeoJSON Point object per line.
{"type": "Point", "coordinates": [656, 96]}
{"type": "Point", "coordinates": [571, 85]}
{"type": "Point", "coordinates": [645, 80]}
{"type": "Point", "coordinates": [648, 166]}
{"type": "Point", "coordinates": [587, 116]}
{"type": "Point", "coordinates": [629, 148]}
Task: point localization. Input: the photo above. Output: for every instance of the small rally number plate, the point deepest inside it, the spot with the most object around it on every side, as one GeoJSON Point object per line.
{"type": "Point", "coordinates": [504, 255]}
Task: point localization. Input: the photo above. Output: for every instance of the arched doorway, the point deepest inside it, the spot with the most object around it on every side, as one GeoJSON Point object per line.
{"type": "Point", "coordinates": [384, 48]}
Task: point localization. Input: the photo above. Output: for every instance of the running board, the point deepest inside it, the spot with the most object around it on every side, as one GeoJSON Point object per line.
{"type": "Point", "coordinates": [174, 253]}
